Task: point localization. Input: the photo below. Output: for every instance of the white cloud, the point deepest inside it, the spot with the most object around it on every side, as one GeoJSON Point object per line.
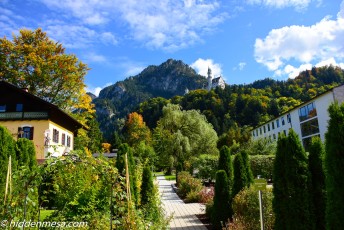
{"type": "Point", "coordinates": [242, 65]}
{"type": "Point", "coordinates": [297, 4]}
{"type": "Point", "coordinates": [330, 61]}
{"type": "Point", "coordinates": [165, 24]}
{"type": "Point", "coordinates": [201, 67]}
{"type": "Point", "coordinates": [95, 58]}
{"type": "Point", "coordinates": [96, 90]}
{"type": "Point", "coordinates": [303, 44]}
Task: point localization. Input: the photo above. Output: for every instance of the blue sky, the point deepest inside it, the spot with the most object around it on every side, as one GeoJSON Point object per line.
{"type": "Point", "coordinates": [242, 40]}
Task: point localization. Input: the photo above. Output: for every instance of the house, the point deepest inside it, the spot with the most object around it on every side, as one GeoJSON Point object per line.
{"type": "Point", "coordinates": [307, 120]}
{"type": "Point", "coordinates": [27, 116]}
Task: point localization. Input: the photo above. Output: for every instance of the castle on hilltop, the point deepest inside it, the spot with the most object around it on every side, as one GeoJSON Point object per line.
{"type": "Point", "coordinates": [215, 82]}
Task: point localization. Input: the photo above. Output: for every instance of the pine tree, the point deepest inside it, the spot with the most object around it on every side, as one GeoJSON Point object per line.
{"type": "Point", "coordinates": [225, 163]}
{"type": "Point", "coordinates": [222, 203]}
{"type": "Point", "coordinates": [292, 190]}
{"type": "Point", "coordinates": [280, 200]}
{"type": "Point", "coordinates": [246, 161]}
{"type": "Point", "coordinates": [239, 174]}
{"type": "Point", "coordinates": [147, 186]}
{"type": "Point", "coordinates": [334, 165]}
{"type": "Point", "coordinates": [318, 188]}
{"type": "Point", "coordinates": [25, 152]}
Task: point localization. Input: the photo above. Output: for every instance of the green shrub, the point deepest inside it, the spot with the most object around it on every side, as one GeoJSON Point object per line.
{"type": "Point", "coordinates": [188, 184]}
{"type": "Point", "coordinates": [246, 210]}
{"type": "Point", "coordinates": [262, 165]}
{"type": "Point", "coordinates": [192, 197]}
{"type": "Point", "coordinates": [222, 202]}
{"type": "Point", "coordinates": [334, 164]}
{"type": "Point", "coordinates": [147, 186]}
{"type": "Point", "coordinates": [209, 207]}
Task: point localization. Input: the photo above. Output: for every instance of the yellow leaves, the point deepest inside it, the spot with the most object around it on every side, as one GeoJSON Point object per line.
{"type": "Point", "coordinates": [106, 147]}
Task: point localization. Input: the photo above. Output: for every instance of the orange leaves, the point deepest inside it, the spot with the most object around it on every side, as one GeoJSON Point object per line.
{"type": "Point", "coordinates": [136, 129]}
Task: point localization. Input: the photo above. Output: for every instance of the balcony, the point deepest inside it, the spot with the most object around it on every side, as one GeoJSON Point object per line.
{"type": "Point", "coordinates": [23, 115]}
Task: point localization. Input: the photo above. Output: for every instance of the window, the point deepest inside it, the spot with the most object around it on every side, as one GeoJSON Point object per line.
{"type": "Point", "coordinates": [273, 125]}
{"type": "Point", "coordinates": [55, 136]}
{"type": "Point", "coordinates": [277, 123]}
{"type": "Point", "coordinates": [307, 141]}
{"type": "Point", "coordinates": [285, 132]}
{"type": "Point", "coordinates": [2, 108]}
{"type": "Point", "coordinates": [260, 130]}
{"type": "Point", "coordinates": [282, 121]}
{"type": "Point", "coordinates": [264, 129]}
{"type": "Point", "coordinates": [63, 139]}
{"type": "Point", "coordinates": [268, 127]}
{"type": "Point", "coordinates": [68, 141]}
{"type": "Point", "coordinates": [257, 132]}
{"type": "Point", "coordinates": [309, 127]}
{"type": "Point", "coordinates": [25, 132]}
{"type": "Point", "coordinates": [307, 112]}
{"type": "Point", "coordinates": [289, 118]}
{"type": "Point", "coordinates": [274, 135]}
{"type": "Point", "coordinates": [19, 107]}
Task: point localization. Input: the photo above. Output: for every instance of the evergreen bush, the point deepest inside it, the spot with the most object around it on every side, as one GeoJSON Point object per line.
{"type": "Point", "coordinates": [26, 154]}
{"type": "Point", "coordinates": [225, 163]}
{"type": "Point", "coordinates": [147, 186]}
{"type": "Point", "coordinates": [291, 185]}
{"type": "Point", "coordinates": [7, 148]}
{"type": "Point", "coordinates": [221, 210]}
{"type": "Point", "coordinates": [262, 165]}
{"type": "Point", "coordinates": [334, 165]}
{"type": "Point", "coordinates": [317, 177]}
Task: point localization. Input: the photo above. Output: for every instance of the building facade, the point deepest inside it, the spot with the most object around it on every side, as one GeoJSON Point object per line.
{"type": "Point", "coordinates": [214, 82]}
{"type": "Point", "coordinates": [307, 120]}
{"type": "Point", "coordinates": [27, 116]}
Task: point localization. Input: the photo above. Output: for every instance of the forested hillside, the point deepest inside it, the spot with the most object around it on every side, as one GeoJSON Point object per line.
{"type": "Point", "coordinates": [251, 104]}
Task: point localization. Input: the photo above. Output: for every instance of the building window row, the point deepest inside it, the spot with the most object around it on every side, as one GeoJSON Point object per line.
{"type": "Point", "coordinates": [65, 139]}
{"type": "Point", "coordinates": [266, 128]}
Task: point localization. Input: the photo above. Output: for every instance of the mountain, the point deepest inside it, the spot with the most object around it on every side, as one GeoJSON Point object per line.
{"type": "Point", "coordinates": [167, 80]}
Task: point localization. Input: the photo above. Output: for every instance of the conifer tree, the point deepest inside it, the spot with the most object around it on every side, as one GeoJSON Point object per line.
{"type": "Point", "coordinates": [242, 173]}
{"type": "Point", "coordinates": [334, 164]}
{"type": "Point", "coordinates": [246, 161]}
{"type": "Point", "coordinates": [147, 186]}
{"type": "Point", "coordinates": [280, 200]}
{"type": "Point", "coordinates": [26, 154]}
{"type": "Point", "coordinates": [225, 163]}
{"type": "Point", "coordinates": [239, 174]}
{"type": "Point", "coordinates": [222, 205]}
{"type": "Point", "coordinates": [292, 190]}
{"type": "Point", "coordinates": [7, 148]}
{"type": "Point", "coordinates": [317, 177]}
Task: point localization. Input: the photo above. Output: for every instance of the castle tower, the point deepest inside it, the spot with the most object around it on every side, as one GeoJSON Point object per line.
{"type": "Point", "coordinates": [209, 79]}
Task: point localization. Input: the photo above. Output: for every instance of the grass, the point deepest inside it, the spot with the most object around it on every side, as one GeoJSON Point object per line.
{"type": "Point", "coordinates": [170, 177]}
{"type": "Point", "coordinates": [45, 213]}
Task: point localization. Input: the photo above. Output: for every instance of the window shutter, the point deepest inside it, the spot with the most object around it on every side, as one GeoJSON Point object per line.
{"type": "Point", "coordinates": [20, 129]}
{"type": "Point", "coordinates": [31, 133]}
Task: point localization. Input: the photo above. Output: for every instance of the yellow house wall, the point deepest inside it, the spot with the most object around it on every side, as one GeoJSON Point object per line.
{"type": "Point", "coordinates": [57, 149]}
{"type": "Point", "coordinates": [38, 133]}
{"type": "Point", "coordinates": [40, 127]}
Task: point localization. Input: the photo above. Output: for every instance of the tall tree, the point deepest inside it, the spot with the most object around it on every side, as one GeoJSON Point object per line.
{"type": "Point", "coordinates": [240, 180]}
{"type": "Point", "coordinates": [317, 176]}
{"type": "Point", "coordinates": [135, 130]}
{"type": "Point", "coordinates": [222, 204]}
{"type": "Point", "coordinates": [248, 171]}
{"type": "Point", "coordinates": [182, 134]}
{"type": "Point", "coordinates": [292, 190]}
{"type": "Point", "coordinates": [32, 60]}
{"type": "Point", "coordinates": [334, 164]}
{"type": "Point", "coordinates": [280, 201]}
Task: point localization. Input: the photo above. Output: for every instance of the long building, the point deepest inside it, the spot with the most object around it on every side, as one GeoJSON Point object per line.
{"type": "Point", "coordinates": [308, 119]}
